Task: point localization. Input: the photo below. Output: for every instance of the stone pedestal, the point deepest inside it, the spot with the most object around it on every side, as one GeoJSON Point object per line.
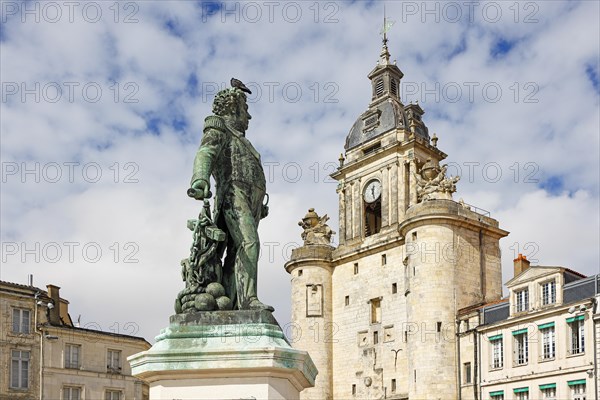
{"type": "Point", "coordinates": [223, 355]}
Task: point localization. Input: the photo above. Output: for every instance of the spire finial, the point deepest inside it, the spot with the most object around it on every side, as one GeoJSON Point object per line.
{"type": "Point", "coordinates": [384, 27]}
{"type": "Point", "coordinates": [384, 57]}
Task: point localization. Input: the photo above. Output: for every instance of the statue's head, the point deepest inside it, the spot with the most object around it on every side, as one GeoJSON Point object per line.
{"type": "Point", "coordinates": [232, 106]}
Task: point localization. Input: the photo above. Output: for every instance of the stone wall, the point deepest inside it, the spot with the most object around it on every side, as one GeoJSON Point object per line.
{"type": "Point", "coordinates": [453, 263]}
{"type": "Point", "coordinates": [357, 359]}
{"type": "Point", "coordinates": [92, 376]}
{"type": "Point", "coordinates": [312, 326]}
{"type": "Point", "coordinates": [18, 341]}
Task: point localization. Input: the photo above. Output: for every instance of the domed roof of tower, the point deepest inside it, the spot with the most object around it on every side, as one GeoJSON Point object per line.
{"type": "Point", "coordinates": [386, 111]}
{"type": "Point", "coordinates": [377, 120]}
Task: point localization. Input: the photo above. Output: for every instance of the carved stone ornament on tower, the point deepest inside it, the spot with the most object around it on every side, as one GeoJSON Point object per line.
{"type": "Point", "coordinates": [432, 182]}
{"type": "Point", "coordinates": [316, 230]}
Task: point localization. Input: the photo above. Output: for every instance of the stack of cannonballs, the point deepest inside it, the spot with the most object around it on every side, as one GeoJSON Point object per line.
{"type": "Point", "coordinates": [213, 298]}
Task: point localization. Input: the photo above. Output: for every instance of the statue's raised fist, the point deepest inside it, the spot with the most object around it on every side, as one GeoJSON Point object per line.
{"type": "Point", "coordinates": [200, 190]}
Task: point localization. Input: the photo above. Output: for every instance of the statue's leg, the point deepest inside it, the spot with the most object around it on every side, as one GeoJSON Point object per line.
{"type": "Point", "coordinates": [242, 226]}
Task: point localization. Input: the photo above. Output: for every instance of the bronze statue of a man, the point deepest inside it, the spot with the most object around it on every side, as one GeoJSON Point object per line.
{"type": "Point", "coordinates": [227, 155]}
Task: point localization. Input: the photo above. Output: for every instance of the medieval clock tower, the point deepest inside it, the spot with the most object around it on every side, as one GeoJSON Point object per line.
{"type": "Point", "coordinates": [378, 313]}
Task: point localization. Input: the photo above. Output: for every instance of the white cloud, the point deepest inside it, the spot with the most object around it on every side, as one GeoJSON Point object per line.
{"type": "Point", "coordinates": [552, 230]}
{"type": "Point", "coordinates": [144, 208]}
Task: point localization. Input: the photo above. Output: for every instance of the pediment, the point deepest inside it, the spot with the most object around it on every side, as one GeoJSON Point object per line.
{"type": "Point", "coordinates": [531, 274]}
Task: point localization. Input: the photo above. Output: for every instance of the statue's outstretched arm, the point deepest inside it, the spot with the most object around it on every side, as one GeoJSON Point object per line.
{"type": "Point", "coordinates": [213, 142]}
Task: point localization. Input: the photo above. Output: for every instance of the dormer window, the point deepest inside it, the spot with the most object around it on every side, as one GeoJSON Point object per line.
{"type": "Point", "coordinates": [522, 300]}
{"type": "Point", "coordinates": [548, 293]}
{"type": "Point", "coordinates": [371, 120]}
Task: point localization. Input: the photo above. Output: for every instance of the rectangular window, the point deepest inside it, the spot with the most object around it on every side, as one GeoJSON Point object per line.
{"type": "Point", "coordinates": [522, 300]}
{"type": "Point", "coordinates": [393, 386]}
{"type": "Point", "coordinates": [577, 337]}
{"type": "Point", "coordinates": [375, 311]}
{"type": "Point", "coordinates": [113, 361]}
{"type": "Point", "coordinates": [375, 337]}
{"type": "Point", "coordinates": [549, 293]}
{"type": "Point", "coordinates": [467, 372]}
{"type": "Point", "coordinates": [20, 321]}
{"type": "Point", "coordinates": [548, 343]}
{"type": "Point", "coordinates": [383, 259]}
{"type": "Point", "coordinates": [521, 349]}
{"type": "Point", "coordinates": [72, 356]}
{"type": "Point", "coordinates": [522, 396]}
{"type": "Point", "coordinates": [549, 393]}
{"type": "Point", "coordinates": [353, 390]}
{"type": "Point", "coordinates": [578, 392]}
{"type": "Point", "coordinates": [113, 395]}
{"type": "Point", "coordinates": [394, 288]}
{"type": "Point", "coordinates": [497, 396]}
{"type": "Point", "coordinates": [355, 268]}
{"type": "Point", "coordinates": [71, 393]}
{"type": "Point", "coordinates": [347, 300]}
{"type": "Point", "coordinates": [19, 369]}
{"type": "Point", "coordinates": [497, 353]}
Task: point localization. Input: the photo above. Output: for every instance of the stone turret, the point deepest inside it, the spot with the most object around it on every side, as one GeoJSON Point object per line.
{"type": "Point", "coordinates": [453, 262]}
{"type": "Point", "coordinates": [311, 271]}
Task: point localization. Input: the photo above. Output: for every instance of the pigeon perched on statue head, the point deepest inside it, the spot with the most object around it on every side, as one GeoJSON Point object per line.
{"type": "Point", "coordinates": [236, 83]}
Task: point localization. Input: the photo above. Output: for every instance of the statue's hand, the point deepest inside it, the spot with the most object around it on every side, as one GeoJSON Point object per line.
{"type": "Point", "coordinates": [200, 190]}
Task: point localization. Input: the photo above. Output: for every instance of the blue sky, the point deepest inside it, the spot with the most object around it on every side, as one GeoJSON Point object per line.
{"type": "Point", "coordinates": [103, 105]}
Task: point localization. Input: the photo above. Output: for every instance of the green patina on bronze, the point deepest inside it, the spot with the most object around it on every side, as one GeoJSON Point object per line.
{"type": "Point", "coordinates": [221, 271]}
{"type": "Point", "coordinates": [224, 344]}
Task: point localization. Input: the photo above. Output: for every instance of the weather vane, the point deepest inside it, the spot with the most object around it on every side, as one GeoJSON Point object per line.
{"type": "Point", "coordinates": [387, 24]}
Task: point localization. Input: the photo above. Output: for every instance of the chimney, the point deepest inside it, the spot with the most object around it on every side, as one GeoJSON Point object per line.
{"type": "Point", "coordinates": [521, 263]}
{"type": "Point", "coordinates": [54, 312]}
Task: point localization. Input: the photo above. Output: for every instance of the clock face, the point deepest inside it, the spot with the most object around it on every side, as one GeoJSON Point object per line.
{"type": "Point", "coordinates": [372, 191]}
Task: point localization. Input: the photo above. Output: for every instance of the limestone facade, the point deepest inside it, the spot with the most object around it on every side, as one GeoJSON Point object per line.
{"type": "Point", "coordinates": [44, 356]}
{"type": "Point", "coordinates": [409, 305]}
{"type": "Point", "coordinates": [542, 345]}
{"type": "Point", "coordinates": [377, 314]}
